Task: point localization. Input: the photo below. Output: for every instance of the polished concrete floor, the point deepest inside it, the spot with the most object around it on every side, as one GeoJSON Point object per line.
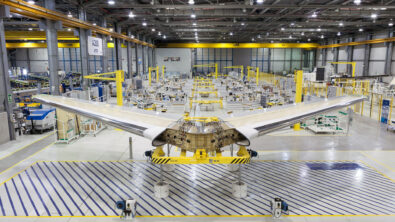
{"type": "Point", "coordinates": [368, 143]}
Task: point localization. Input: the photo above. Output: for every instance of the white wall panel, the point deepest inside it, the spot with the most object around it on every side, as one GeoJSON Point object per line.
{"type": "Point", "coordinates": [342, 54]}
{"type": "Point", "coordinates": [378, 52]}
{"type": "Point", "coordinates": [183, 66]}
{"type": "Point", "coordinates": [359, 51]}
{"type": "Point", "coordinates": [376, 68]}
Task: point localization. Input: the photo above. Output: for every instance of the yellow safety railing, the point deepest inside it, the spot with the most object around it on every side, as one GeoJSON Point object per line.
{"type": "Point", "coordinates": [205, 102]}
{"type": "Point", "coordinates": [237, 67]}
{"type": "Point", "coordinates": [150, 69]}
{"type": "Point", "coordinates": [119, 78]}
{"type": "Point", "coordinates": [298, 93]}
{"type": "Point", "coordinates": [211, 65]}
{"type": "Point", "coordinates": [251, 69]}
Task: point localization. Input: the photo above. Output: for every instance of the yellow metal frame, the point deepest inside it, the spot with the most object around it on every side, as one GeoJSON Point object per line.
{"type": "Point", "coordinates": [353, 64]}
{"type": "Point", "coordinates": [150, 69]}
{"type": "Point", "coordinates": [211, 65]}
{"type": "Point", "coordinates": [205, 102]}
{"type": "Point", "coordinates": [240, 45]}
{"type": "Point", "coordinates": [163, 72]}
{"type": "Point", "coordinates": [249, 68]}
{"type": "Point", "coordinates": [204, 92]}
{"type": "Point", "coordinates": [298, 93]}
{"type": "Point", "coordinates": [237, 67]}
{"type": "Point", "coordinates": [119, 78]}
{"type": "Point", "coordinates": [201, 157]}
{"type": "Point", "coordinates": [201, 119]}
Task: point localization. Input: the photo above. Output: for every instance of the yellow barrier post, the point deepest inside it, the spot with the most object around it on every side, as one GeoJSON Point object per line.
{"type": "Point", "coordinates": [248, 72]}
{"type": "Point", "coordinates": [298, 94]}
{"type": "Point", "coordinates": [149, 75]}
{"type": "Point", "coordinates": [163, 72]}
{"type": "Point", "coordinates": [389, 115]}
{"type": "Point", "coordinates": [257, 75]}
{"type": "Point", "coordinates": [157, 74]}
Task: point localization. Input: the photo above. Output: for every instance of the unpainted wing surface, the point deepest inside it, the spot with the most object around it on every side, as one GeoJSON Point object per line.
{"type": "Point", "coordinates": [145, 124]}
{"type": "Point", "coordinates": [260, 123]}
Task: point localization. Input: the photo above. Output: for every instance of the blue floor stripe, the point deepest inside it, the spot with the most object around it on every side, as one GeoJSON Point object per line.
{"type": "Point", "coordinates": [46, 191]}
{"type": "Point", "coordinates": [28, 194]}
{"type": "Point", "coordinates": [2, 207]}
{"type": "Point", "coordinates": [56, 191]}
{"type": "Point", "coordinates": [38, 193]}
{"type": "Point", "coordinates": [64, 189]}
{"type": "Point", "coordinates": [75, 191]}
{"type": "Point", "coordinates": [9, 198]}
{"type": "Point", "coordinates": [19, 196]}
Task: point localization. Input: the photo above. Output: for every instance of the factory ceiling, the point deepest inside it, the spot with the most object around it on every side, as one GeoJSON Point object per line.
{"type": "Point", "coordinates": [229, 20]}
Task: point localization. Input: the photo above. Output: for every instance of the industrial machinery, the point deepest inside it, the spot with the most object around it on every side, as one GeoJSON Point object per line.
{"type": "Point", "coordinates": [278, 207]}
{"type": "Point", "coordinates": [128, 208]}
{"type": "Point", "coordinates": [40, 119]}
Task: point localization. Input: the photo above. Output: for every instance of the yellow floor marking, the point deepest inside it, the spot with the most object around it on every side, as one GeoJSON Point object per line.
{"type": "Point", "coordinates": [378, 171]}
{"type": "Point", "coordinates": [27, 145]}
{"type": "Point", "coordinates": [18, 173]}
{"type": "Point", "coordinates": [380, 163]}
{"type": "Point", "coordinates": [27, 158]}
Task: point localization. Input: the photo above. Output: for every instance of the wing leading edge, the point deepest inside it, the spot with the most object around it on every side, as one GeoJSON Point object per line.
{"type": "Point", "coordinates": [264, 122]}
{"type": "Point", "coordinates": [143, 124]}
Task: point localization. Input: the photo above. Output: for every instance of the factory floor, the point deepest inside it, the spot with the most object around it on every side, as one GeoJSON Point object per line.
{"type": "Point", "coordinates": [56, 181]}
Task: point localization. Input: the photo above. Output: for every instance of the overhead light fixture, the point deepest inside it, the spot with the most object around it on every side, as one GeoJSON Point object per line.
{"type": "Point", "coordinates": [111, 29]}
{"type": "Point", "coordinates": [282, 28]}
{"type": "Point", "coordinates": [132, 36]}
{"type": "Point", "coordinates": [69, 29]}
{"type": "Point", "coordinates": [94, 24]}
{"type": "Point", "coordinates": [111, 2]}
{"type": "Point", "coordinates": [69, 15]}
{"type": "Point", "coordinates": [131, 15]}
{"type": "Point", "coordinates": [308, 40]}
{"type": "Point", "coordinates": [373, 15]}
{"type": "Point", "coordinates": [339, 34]}
{"type": "Point", "coordinates": [194, 24]}
{"type": "Point", "coordinates": [234, 20]}
{"type": "Point", "coordinates": [244, 10]}
{"type": "Point", "coordinates": [290, 37]}
{"type": "Point", "coordinates": [259, 1]}
{"type": "Point", "coordinates": [195, 30]}
{"type": "Point", "coordinates": [292, 24]}
{"type": "Point", "coordinates": [164, 37]}
{"type": "Point", "coordinates": [159, 33]}
{"type": "Point", "coordinates": [144, 24]}
{"type": "Point", "coordinates": [243, 23]}
{"type": "Point", "coordinates": [360, 29]}
{"type": "Point", "coordinates": [322, 36]}
{"type": "Point", "coordinates": [191, 2]}
{"type": "Point", "coordinates": [110, 38]}
{"type": "Point", "coordinates": [153, 30]}
{"type": "Point", "coordinates": [319, 30]}
{"type": "Point", "coordinates": [253, 39]}
{"type": "Point", "coordinates": [31, 2]}
{"type": "Point", "coordinates": [341, 24]}
{"type": "Point", "coordinates": [30, 29]}
{"type": "Point", "coordinates": [302, 34]}
{"type": "Point", "coordinates": [390, 24]}
{"type": "Point", "coordinates": [357, 2]}
{"type": "Point", "coordinates": [259, 36]}
{"type": "Point", "coordinates": [193, 15]}
{"type": "Point", "coordinates": [314, 15]}
{"type": "Point", "coordinates": [231, 33]}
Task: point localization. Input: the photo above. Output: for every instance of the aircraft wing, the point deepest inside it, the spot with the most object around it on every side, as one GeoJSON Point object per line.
{"type": "Point", "coordinates": [142, 123]}
{"type": "Point", "coordinates": [260, 123]}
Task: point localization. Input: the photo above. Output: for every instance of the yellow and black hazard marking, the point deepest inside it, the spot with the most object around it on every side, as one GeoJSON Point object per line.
{"type": "Point", "coordinates": [162, 160]}
{"type": "Point", "coordinates": [240, 160]}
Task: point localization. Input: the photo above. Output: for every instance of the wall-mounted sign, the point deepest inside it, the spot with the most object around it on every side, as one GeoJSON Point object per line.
{"type": "Point", "coordinates": [95, 46]}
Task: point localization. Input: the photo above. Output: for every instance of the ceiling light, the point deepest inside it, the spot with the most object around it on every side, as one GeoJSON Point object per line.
{"type": "Point", "coordinates": [69, 15]}
{"type": "Point", "coordinates": [242, 23]}
{"type": "Point", "coordinates": [259, 1]}
{"type": "Point", "coordinates": [373, 15]}
{"type": "Point", "coordinates": [308, 40]}
{"type": "Point", "coordinates": [390, 24]}
{"type": "Point", "coordinates": [191, 2]}
{"type": "Point", "coordinates": [302, 33]}
{"type": "Point", "coordinates": [314, 15]}
{"type": "Point", "coordinates": [357, 2]}
{"type": "Point", "coordinates": [341, 24]}
{"type": "Point", "coordinates": [164, 37]}
{"type": "Point", "coordinates": [94, 23]}
{"type": "Point", "coordinates": [292, 24]}
{"type": "Point", "coordinates": [31, 2]}
{"type": "Point", "coordinates": [231, 33]}
{"type": "Point", "coordinates": [131, 15]}
{"type": "Point", "coordinates": [339, 34]}
{"type": "Point", "coordinates": [132, 36]}
{"type": "Point", "coordinates": [252, 39]}
{"type": "Point", "coordinates": [195, 30]}
{"type": "Point", "coordinates": [259, 36]}
{"type": "Point", "coordinates": [144, 24]}
{"type": "Point", "coordinates": [153, 30]}
{"type": "Point", "coordinates": [244, 10]}
{"type": "Point", "coordinates": [69, 29]}
{"type": "Point", "coordinates": [360, 29]}
{"type": "Point", "coordinates": [30, 29]}
{"type": "Point", "coordinates": [234, 20]}
{"type": "Point", "coordinates": [319, 30]}
{"type": "Point", "coordinates": [290, 36]}
{"type": "Point", "coordinates": [159, 33]}
{"type": "Point", "coordinates": [111, 29]}
{"type": "Point", "coordinates": [194, 24]}
{"type": "Point", "coordinates": [282, 28]}
{"type": "Point", "coordinates": [111, 2]}
{"type": "Point", "coordinates": [322, 36]}
{"type": "Point", "coordinates": [110, 38]}
{"type": "Point", "coordinates": [193, 15]}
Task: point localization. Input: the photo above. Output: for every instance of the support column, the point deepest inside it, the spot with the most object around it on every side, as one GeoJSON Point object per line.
{"type": "Point", "coordinates": [105, 48]}
{"type": "Point", "coordinates": [84, 57]}
{"type": "Point", "coordinates": [6, 97]}
{"type": "Point", "coordinates": [52, 48]}
{"type": "Point", "coordinates": [350, 55]}
{"type": "Point", "coordinates": [136, 52]}
{"type": "Point", "coordinates": [336, 56]}
{"type": "Point", "coordinates": [269, 56]}
{"type": "Point", "coordinates": [366, 58]}
{"type": "Point", "coordinates": [323, 56]}
{"type": "Point", "coordinates": [118, 48]}
{"type": "Point", "coordinates": [388, 55]}
{"type": "Point", "coordinates": [129, 55]}
{"type": "Point", "coordinates": [143, 57]}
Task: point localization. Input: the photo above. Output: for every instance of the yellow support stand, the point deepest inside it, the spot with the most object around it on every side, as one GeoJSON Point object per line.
{"type": "Point", "coordinates": [163, 72]}
{"type": "Point", "coordinates": [205, 102]}
{"type": "Point", "coordinates": [150, 69]}
{"type": "Point", "coordinates": [204, 92]}
{"type": "Point", "coordinates": [119, 78]}
{"type": "Point", "coordinates": [237, 67]}
{"type": "Point", "coordinates": [201, 156]}
{"type": "Point", "coordinates": [211, 65]}
{"type": "Point", "coordinates": [298, 94]}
